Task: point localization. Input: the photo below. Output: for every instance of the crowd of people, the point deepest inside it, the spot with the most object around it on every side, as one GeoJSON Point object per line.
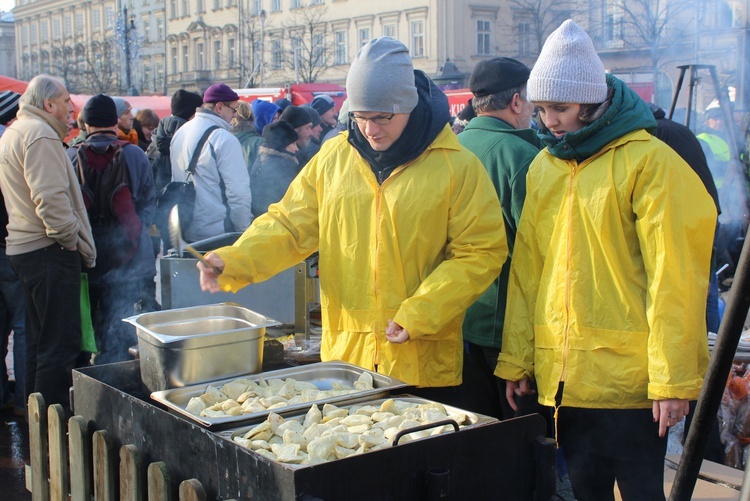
{"type": "Point", "coordinates": [550, 251]}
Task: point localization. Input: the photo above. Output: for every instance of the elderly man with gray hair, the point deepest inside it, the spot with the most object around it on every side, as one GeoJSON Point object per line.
{"type": "Point", "coordinates": [408, 228]}
{"type": "Point", "coordinates": [49, 235]}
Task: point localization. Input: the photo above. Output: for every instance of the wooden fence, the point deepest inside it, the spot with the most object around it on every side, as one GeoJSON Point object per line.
{"type": "Point", "coordinates": [77, 464]}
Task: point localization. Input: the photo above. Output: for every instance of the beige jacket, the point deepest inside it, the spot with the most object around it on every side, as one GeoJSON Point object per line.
{"type": "Point", "coordinates": [41, 191]}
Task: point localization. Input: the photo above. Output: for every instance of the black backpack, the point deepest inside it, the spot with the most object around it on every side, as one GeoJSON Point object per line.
{"type": "Point", "coordinates": [99, 187]}
{"type": "Point", "coordinates": [180, 193]}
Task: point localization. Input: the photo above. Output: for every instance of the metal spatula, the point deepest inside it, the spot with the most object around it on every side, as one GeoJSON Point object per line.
{"type": "Point", "coordinates": [175, 232]}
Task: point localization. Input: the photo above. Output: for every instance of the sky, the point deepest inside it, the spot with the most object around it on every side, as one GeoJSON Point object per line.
{"type": "Point", "coordinates": [6, 5]}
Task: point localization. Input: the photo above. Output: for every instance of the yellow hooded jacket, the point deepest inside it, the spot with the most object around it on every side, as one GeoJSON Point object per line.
{"type": "Point", "coordinates": [418, 249]}
{"type": "Point", "coordinates": [609, 278]}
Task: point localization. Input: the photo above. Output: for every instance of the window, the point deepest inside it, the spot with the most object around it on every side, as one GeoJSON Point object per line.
{"type": "Point", "coordinates": [483, 37]}
{"type": "Point", "coordinates": [199, 57]}
{"type": "Point", "coordinates": [257, 7]}
{"type": "Point", "coordinates": [185, 58]}
{"type": "Point", "coordinates": [340, 47]}
{"type": "Point", "coordinates": [230, 53]}
{"type": "Point", "coordinates": [319, 48]}
{"type": "Point", "coordinates": [56, 29]}
{"type": "Point", "coordinates": [217, 54]}
{"type": "Point", "coordinates": [318, 1]}
{"type": "Point", "coordinates": [613, 25]}
{"type": "Point", "coordinates": [45, 35]}
{"type": "Point", "coordinates": [389, 30]}
{"type": "Point", "coordinates": [277, 56]}
{"type": "Point", "coordinates": [110, 14]}
{"type": "Point", "coordinates": [25, 35]}
{"type": "Point", "coordinates": [33, 33]}
{"type": "Point", "coordinates": [364, 36]}
{"type": "Point", "coordinates": [96, 21]}
{"type": "Point", "coordinates": [217, 4]}
{"type": "Point", "coordinates": [159, 74]}
{"type": "Point", "coordinates": [79, 22]}
{"type": "Point", "coordinates": [417, 38]}
{"type": "Point", "coordinates": [525, 39]}
{"type": "Point", "coordinates": [172, 9]}
{"type": "Point", "coordinates": [66, 26]}
{"type": "Point", "coordinates": [275, 5]}
{"type": "Point", "coordinates": [185, 8]}
{"type": "Point", "coordinates": [296, 4]}
{"type": "Point", "coordinates": [199, 6]}
{"type": "Point", "coordinates": [159, 29]}
{"type": "Point", "coordinates": [174, 60]}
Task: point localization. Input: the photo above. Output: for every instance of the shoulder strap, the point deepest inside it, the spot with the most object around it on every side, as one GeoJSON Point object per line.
{"type": "Point", "coordinates": [198, 149]}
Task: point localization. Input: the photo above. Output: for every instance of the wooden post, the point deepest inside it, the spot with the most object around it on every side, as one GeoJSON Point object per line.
{"type": "Point", "coordinates": [79, 444]}
{"type": "Point", "coordinates": [104, 466]}
{"type": "Point", "coordinates": [192, 490]}
{"type": "Point", "coordinates": [159, 482]}
{"type": "Point", "coordinates": [38, 448]}
{"type": "Point", "coordinates": [131, 481]}
{"type": "Point", "coordinates": [58, 453]}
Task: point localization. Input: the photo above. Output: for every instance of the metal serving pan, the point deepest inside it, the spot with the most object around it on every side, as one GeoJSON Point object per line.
{"type": "Point", "coordinates": [322, 375]}
{"type": "Point", "coordinates": [472, 421]}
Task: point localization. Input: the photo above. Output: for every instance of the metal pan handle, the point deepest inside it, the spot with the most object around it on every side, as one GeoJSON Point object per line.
{"type": "Point", "coordinates": [422, 427]}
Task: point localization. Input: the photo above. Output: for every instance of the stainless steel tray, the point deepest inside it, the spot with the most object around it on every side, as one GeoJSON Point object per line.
{"type": "Point", "coordinates": [474, 420]}
{"type": "Point", "coordinates": [322, 375]}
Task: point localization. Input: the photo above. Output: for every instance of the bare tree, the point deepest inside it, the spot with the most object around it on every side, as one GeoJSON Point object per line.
{"type": "Point", "coordinates": [101, 69]}
{"type": "Point", "coordinates": [656, 26]}
{"type": "Point", "coordinates": [63, 64]}
{"type": "Point", "coordinates": [249, 35]}
{"type": "Point", "coordinates": [308, 31]}
{"type": "Point", "coordinates": [534, 20]}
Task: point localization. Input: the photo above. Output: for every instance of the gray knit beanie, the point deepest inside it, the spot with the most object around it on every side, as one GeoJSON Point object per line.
{"type": "Point", "coordinates": [568, 69]}
{"type": "Point", "coordinates": [381, 78]}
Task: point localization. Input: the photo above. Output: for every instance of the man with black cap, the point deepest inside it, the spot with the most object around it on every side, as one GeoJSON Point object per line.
{"type": "Point", "coordinates": [326, 108]}
{"type": "Point", "coordinates": [302, 121]}
{"type": "Point", "coordinates": [222, 186]}
{"type": "Point", "coordinates": [500, 135]}
{"type": "Point", "coordinates": [276, 166]}
{"type": "Point", "coordinates": [407, 225]}
{"type": "Point", "coordinates": [115, 285]}
{"type": "Point", "coordinates": [49, 236]}
{"type": "Point", "coordinates": [305, 154]}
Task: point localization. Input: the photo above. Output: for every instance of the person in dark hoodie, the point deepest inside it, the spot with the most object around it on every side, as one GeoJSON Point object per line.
{"type": "Point", "coordinates": [275, 167]}
{"type": "Point", "coordinates": [264, 113]}
{"type": "Point", "coordinates": [406, 221]}
{"type": "Point", "coordinates": [183, 107]}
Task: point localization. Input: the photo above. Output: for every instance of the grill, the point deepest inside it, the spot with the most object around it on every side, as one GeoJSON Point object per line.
{"type": "Point", "coordinates": [490, 460]}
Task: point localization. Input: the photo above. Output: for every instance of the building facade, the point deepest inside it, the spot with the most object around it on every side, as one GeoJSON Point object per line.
{"type": "Point", "coordinates": [7, 45]}
{"type": "Point", "coordinates": [158, 46]}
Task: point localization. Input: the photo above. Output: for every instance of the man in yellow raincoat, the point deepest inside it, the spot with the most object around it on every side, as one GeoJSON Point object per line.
{"type": "Point", "coordinates": [406, 221]}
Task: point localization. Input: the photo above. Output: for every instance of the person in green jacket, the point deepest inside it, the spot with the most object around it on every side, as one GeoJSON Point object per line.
{"type": "Point", "coordinates": [501, 136]}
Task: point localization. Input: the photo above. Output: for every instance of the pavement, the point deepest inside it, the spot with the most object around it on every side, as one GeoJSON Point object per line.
{"type": "Point", "coordinates": [14, 454]}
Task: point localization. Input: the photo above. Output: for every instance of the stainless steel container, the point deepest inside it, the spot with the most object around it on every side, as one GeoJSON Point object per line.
{"type": "Point", "coordinates": [324, 375]}
{"type": "Point", "coordinates": [198, 344]}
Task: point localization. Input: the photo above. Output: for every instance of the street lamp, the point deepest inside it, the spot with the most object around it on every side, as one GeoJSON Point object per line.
{"type": "Point", "coordinates": [128, 27]}
{"type": "Point", "coordinates": [262, 47]}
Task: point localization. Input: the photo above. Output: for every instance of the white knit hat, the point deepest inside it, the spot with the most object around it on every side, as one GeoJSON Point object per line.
{"type": "Point", "coordinates": [568, 69]}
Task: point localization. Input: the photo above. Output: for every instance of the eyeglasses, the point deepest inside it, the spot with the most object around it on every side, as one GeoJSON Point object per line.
{"type": "Point", "coordinates": [379, 120]}
{"type": "Point", "coordinates": [234, 110]}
